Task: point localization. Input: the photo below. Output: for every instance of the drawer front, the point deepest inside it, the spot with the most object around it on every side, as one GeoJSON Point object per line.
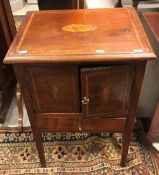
{"type": "Point", "coordinates": [106, 90]}
{"type": "Point", "coordinates": [77, 125]}
{"type": "Point", "coordinates": [56, 124]}
{"type": "Point", "coordinates": [54, 89]}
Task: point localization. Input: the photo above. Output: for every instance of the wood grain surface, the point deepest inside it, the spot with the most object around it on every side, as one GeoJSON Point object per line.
{"type": "Point", "coordinates": [41, 38]}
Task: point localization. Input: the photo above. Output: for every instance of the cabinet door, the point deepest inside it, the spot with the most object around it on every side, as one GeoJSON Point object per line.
{"type": "Point", "coordinates": [54, 89]}
{"type": "Point", "coordinates": [106, 90]}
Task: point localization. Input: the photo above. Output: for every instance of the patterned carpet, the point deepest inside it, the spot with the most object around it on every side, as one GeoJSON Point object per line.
{"type": "Point", "coordinates": [73, 154]}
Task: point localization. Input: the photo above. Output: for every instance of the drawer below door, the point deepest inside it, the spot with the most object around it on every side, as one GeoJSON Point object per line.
{"type": "Point", "coordinates": [76, 124]}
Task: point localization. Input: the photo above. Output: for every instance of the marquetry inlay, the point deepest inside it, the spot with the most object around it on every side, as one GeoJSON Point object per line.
{"type": "Point", "coordinates": [79, 27]}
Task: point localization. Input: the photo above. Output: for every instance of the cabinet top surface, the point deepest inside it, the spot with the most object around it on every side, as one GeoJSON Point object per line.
{"type": "Point", "coordinates": [80, 36]}
{"type": "Point", "coordinates": [152, 21]}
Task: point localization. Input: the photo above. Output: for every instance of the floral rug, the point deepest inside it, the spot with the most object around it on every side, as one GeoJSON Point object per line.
{"type": "Point", "coordinates": [73, 154]}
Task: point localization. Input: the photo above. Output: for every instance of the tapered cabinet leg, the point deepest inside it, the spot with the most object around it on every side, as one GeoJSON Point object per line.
{"type": "Point", "coordinates": [21, 77]}
{"type": "Point", "coordinates": [39, 145]}
{"type": "Point", "coordinates": [135, 93]}
{"type": "Point", "coordinates": [125, 147]}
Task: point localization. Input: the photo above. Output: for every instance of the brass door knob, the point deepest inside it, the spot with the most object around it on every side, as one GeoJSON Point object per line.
{"type": "Point", "coordinates": [85, 100]}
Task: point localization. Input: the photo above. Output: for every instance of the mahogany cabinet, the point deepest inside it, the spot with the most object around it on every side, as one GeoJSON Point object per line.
{"type": "Point", "coordinates": [7, 78]}
{"type": "Point", "coordinates": [81, 71]}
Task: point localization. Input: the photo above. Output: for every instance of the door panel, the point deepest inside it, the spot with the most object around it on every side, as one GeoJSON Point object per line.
{"type": "Point", "coordinates": [54, 88]}
{"type": "Point", "coordinates": [106, 90]}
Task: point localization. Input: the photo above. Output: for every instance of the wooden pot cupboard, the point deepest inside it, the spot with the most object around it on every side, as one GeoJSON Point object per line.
{"type": "Point", "coordinates": [81, 71]}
